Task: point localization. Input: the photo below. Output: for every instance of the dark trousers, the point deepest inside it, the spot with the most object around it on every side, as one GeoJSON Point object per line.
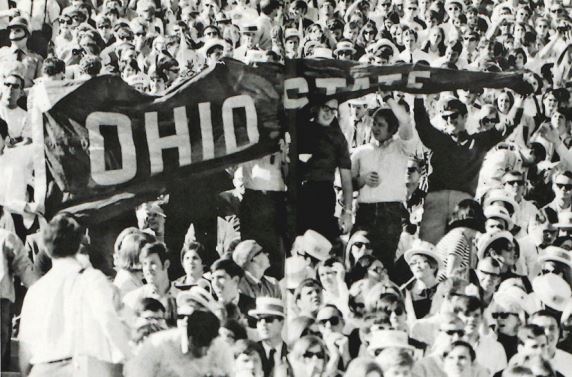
{"type": "Point", "coordinates": [316, 209]}
{"type": "Point", "coordinates": [6, 331]}
{"type": "Point", "coordinates": [263, 219]}
{"type": "Point", "coordinates": [383, 222]}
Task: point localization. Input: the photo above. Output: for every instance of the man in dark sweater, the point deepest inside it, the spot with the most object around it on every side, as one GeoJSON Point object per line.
{"type": "Point", "coordinates": [456, 160]}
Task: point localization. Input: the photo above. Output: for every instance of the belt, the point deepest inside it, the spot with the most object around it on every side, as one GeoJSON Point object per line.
{"type": "Point", "coordinates": [267, 192]}
{"type": "Point", "coordinates": [58, 361]}
{"type": "Point", "coordinates": [377, 204]}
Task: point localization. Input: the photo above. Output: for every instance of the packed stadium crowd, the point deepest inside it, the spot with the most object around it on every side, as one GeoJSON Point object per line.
{"type": "Point", "coordinates": [432, 236]}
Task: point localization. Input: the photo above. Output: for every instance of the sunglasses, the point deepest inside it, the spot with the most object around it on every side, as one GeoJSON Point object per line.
{"type": "Point", "coordinates": [557, 11]}
{"type": "Point", "coordinates": [471, 39]}
{"type": "Point", "coordinates": [546, 271]}
{"type": "Point", "coordinates": [140, 34]}
{"type": "Point", "coordinates": [491, 120]}
{"type": "Point", "coordinates": [397, 311]}
{"type": "Point", "coordinates": [567, 186]}
{"type": "Point", "coordinates": [514, 183]}
{"type": "Point", "coordinates": [359, 245]}
{"type": "Point", "coordinates": [211, 34]}
{"type": "Point", "coordinates": [379, 270]}
{"type": "Point", "coordinates": [310, 355]}
{"type": "Point", "coordinates": [104, 27]}
{"type": "Point", "coordinates": [369, 32]}
{"type": "Point", "coordinates": [450, 116]}
{"type": "Point", "coordinates": [66, 21]}
{"type": "Point", "coordinates": [334, 321]}
{"type": "Point", "coordinates": [502, 315]}
{"type": "Point", "coordinates": [411, 8]}
{"type": "Point", "coordinates": [78, 18]}
{"type": "Point", "coordinates": [386, 5]}
{"type": "Point", "coordinates": [461, 333]}
{"type": "Point", "coordinates": [412, 169]}
{"type": "Point", "coordinates": [490, 274]}
{"type": "Point", "coordinates": [268, 318]}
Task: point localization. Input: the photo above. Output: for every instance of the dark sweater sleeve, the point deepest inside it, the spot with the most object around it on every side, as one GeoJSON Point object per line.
{"type": "Point", "coordinates": [428, 134]}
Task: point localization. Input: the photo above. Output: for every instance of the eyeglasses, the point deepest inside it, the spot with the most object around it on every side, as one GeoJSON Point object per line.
{"type": "Point", "coordinates": [268, 318]}
{"type": "Point", "coordinates": [334, 321]}
{"type": "Point", "coordinates": [546, 271]}
{"type": "Point", "coordinates": [379, 270]}
{"type": "Point", "coordinates": [12, 85]}
{"type": "Point", "coordinates": [345, 53]}
{"type": "Point", "coordinates": [471, 39]}
{"type": "Point", "coordinates": [140, 34]}
{"type": "Point", "coordinates": [397, 311]}
{"type": "Point", "coordinates": [369, 32]}
{"type": "Point", "coordinates": [566, 186]}
{"type": "Point", "coordinates": [78, 18]}
{"type": "Point", "coordinates": [257, 254]}
{"type": "Point", "coordinates": [104, 27]}
{"type": "Point", "coordinates": [411, 8]}
{"type": "Point", "coordinates": [557, 11]}
{"type": "Point", "coordinates": [211, 34]}
{"type": "Point", "coordinates": [490, 273]}
{"type": "Point", "coordinates": [502, 315]}
{"type": "Point", "coordinates": [461, 333]}
{"type": "Point", "coordinates": [310, 355]}
{"type": "Point", "coordinates": [514, 183]}
{"type": "Point", "coordinates": [412, 169]}
{"type": "Point", "coordinates": [385, 5]}
{"type": "Point", "coordinates": [330, 110]}
{"type": "Point", "coordinates": [126, 38]}
{"type": "Point", "coordinates": [452, 116]}
{"type": "Point", "coordinates": [360, 244]}
{"type": "Point", "coordinates": [66, 21]}
{"type": "Point", "coordinates": [491, 120]}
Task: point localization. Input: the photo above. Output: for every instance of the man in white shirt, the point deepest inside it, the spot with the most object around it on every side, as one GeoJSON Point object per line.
{"type": "Point", "coordinates": [379, 170]}
{"type": "Point", "coordinates": [513, 182]}
{"type": "Point", "coordinates": [71, 311]}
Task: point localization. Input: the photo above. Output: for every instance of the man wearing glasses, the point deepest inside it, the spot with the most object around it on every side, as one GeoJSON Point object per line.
{"type": "Point", "coordinates": [514, 183]}
{"type": "Point", "coordinates": [254, 260]}
{"type": "Point", "coordinates": [269, 315]}
{"type": "Point", "coordinates": [449, 182]}
{"type": "Point", "coordinates": [488, 273]}
{"type": "Point", "coordinates": [562, 187]}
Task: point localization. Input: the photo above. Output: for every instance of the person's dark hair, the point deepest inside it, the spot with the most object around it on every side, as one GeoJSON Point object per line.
{"type": "Point", "coordinates": [562, 241]}
{"type": "Point", "coordinates": [502, 244]}
{"type": "Point", "coordinates": [468, 304]}
{"type": "Point", "coordinates": [246, 347]}
{"type": "Point", "coordinates": [228, 266]}
{"type": "Point", "coordinates": [546, 314]}
{"type": "Point", "coordinates": [461, 343]}
{"type": "Point", "coordinates": [90, 65]}
{"type": "Point", "coordinates": [389, 117]}
{"type": "Point", "coordinates": [202, 328]}
{"type": "Point", "coordinates": [468, 213]}
{"type": "Point", "coordinates": [269, 6]}
{"type": "Point", "coordinates": [150, 304]}
{"type": "Point", "coordinates": [53, 66]}
{"type": "Point", "coordinates": [529, 332]}
{"type": "Point", "coordinates": [517, 371]}
{"type": "Point", "coordinates": [199, 249]}
{"type": "Point", "coordinates": [158, 248]}
{"type": "Point", "coordinates": [236, 328]}
{"type": "Point", "coordinates": [387, 300]}
{"type": "Point", "coordinates": [63, 235]}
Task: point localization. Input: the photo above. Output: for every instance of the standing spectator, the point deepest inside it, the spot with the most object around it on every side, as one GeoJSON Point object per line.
{"type": "Point", "coordinates": [15, 262]}
{"type": "Point", "coordinates": [449, 184]}
{"type": "Point", "coordinates": [78, 304]}
{"type": "Point", "coordinates": [11, 110]}
{"type": "Point", "coordinates": [380, 169]}
{"type": "Point", "coordinates": [324, 149]}
{"type": "Point", "coordinates": [42, 15]}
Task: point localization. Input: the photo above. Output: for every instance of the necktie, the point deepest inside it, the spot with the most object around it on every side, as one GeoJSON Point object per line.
{"type": "Point", "coordinates": [19, 55]}
{"type": "Point", "coordinates": [271, 360]}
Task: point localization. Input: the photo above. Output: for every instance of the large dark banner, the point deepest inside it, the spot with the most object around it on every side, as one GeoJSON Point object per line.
{"type": "Point", "coordinates": [109, 147]}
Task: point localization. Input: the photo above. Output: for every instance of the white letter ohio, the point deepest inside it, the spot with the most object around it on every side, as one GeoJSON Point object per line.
{"type": "Point", "coordinates": [97, 152]}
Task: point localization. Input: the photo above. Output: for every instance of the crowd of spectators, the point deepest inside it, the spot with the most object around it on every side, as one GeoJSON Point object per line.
{"type": "Point", "coordinates": [433, 234]}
